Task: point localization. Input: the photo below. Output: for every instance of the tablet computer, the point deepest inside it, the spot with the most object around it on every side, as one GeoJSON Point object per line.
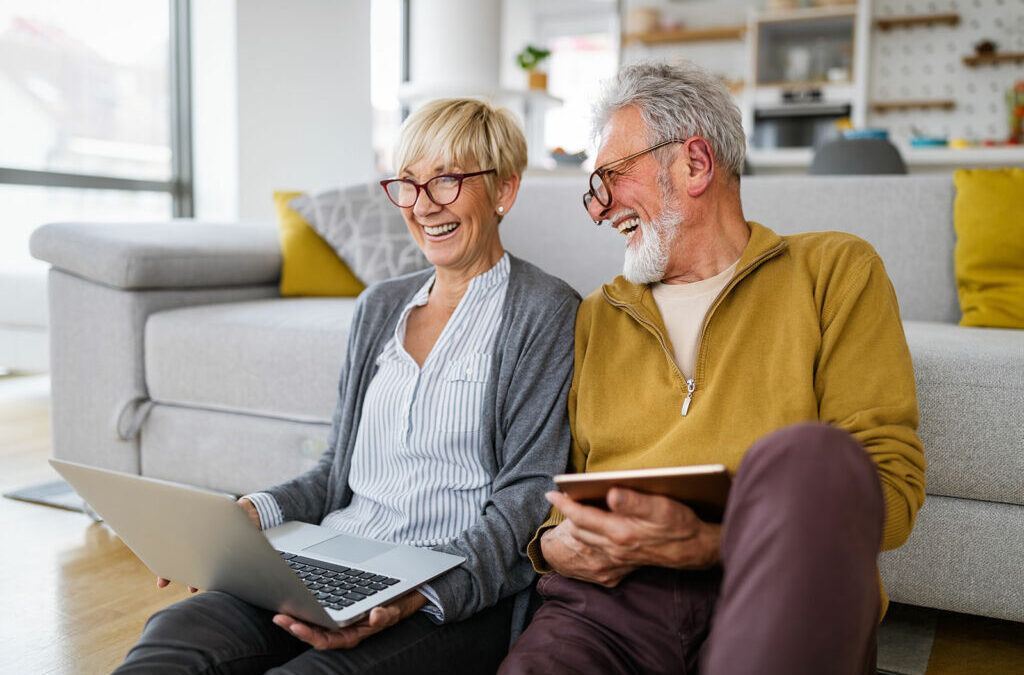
{"type": "Point", "coordinates": [703, 487]}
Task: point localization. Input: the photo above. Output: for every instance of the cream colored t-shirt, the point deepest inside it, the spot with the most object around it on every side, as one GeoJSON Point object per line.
{"type": "Point", "coordinates": [683, 307]}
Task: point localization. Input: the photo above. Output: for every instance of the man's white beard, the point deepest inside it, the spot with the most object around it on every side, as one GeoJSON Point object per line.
{"type": "Point", "coordinates": [647, 262]}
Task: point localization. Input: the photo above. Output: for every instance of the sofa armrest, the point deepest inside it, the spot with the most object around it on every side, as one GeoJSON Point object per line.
{"type": "Point", "coordinates": [175, 254]}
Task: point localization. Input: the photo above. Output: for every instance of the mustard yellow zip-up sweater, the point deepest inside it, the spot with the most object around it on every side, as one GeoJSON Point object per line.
{"type": "Point", "coordinates": [808, 329]}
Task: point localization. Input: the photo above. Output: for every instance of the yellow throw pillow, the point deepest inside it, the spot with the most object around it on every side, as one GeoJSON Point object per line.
{"type": "Point", "coordinates": [309, 265]}
{"type": "Point", "coordinates": [988, 215]}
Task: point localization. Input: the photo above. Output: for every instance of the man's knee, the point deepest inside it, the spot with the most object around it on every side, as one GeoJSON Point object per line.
{"type": "Point", "coordinates": [815, 460]}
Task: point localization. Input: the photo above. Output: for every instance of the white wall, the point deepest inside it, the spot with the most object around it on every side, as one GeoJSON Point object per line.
{"type": "Point", "coordinates": [282, 101]}
{"type": "Point", "coordinates": [215, 110]}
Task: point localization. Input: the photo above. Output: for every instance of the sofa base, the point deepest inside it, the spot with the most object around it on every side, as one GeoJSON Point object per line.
{"type": "Point", "coordinates": [225, 451]}
{"type": "Point", "coordinates": [964, 555]}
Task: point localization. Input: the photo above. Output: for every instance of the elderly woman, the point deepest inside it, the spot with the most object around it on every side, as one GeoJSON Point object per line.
{"type": "Point", "coordinates": [451, 417]}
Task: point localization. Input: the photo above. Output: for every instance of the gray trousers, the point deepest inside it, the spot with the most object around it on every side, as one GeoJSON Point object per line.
{"type": "Point", "coordinates": [798, 595]}
{"type": "Point", "coordinates": [216, 633]}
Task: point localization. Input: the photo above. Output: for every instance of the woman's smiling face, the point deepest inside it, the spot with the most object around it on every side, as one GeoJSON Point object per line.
{"type": "Point", "coordinates": [461, 236]}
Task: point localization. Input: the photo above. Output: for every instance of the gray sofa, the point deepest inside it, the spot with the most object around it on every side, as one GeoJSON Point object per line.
{"type": "Point", "coordinates": [173, 356]}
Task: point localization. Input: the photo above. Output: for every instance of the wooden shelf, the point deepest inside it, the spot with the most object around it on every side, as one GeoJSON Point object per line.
{"type": "Point", "coordinates": [663, 37]}
{"type": "Point", "coordinates": [805, 84]}
{"type": "Point", "coordinates": [890, 106]}
{"type": "Point", "coordinates": [992, 59]}
{"type": "Point", "coordinates": [885, 23]}
{"type": "Point", "coordinates": [808, 14]}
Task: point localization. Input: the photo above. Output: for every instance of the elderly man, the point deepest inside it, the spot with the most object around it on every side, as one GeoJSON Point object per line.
{"type": "Point", "coordinates": [781, 357]}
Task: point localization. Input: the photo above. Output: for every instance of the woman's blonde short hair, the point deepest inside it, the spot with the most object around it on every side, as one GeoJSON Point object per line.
{"type": "Point", "coordinates": [465, 133]}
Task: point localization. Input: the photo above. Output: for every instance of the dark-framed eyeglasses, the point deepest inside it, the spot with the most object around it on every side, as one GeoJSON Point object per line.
{"type": "Point", "coordinates": [442, 190]}
{"type": "Point", "coordinates": [601, 178]}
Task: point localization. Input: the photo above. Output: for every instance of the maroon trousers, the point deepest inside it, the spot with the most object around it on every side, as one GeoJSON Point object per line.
{"type": "Point", "coordinates": [798, 594]}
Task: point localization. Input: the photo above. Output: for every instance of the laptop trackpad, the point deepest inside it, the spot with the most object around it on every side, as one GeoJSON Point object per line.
{"type": "Point", "coordinates": [348, 548]}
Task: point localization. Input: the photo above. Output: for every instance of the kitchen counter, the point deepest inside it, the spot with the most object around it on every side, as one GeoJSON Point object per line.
{"type": "Point", "coordinates": [918, 160]}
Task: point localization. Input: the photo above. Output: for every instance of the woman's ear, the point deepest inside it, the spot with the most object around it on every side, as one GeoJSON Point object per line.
{"type": "Point", "coordinates": [506, 194]}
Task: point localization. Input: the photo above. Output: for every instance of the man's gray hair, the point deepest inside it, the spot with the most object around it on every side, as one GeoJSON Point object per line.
{"type": "Point", "coordinates": [678, 101]}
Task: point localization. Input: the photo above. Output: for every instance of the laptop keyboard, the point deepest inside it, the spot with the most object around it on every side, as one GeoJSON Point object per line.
{"type": "Point", "coordinates": [336, 586]}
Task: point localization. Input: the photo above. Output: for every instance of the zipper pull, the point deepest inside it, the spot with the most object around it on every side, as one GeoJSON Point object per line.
{"type": "Point", "coordinates": [691, 384]}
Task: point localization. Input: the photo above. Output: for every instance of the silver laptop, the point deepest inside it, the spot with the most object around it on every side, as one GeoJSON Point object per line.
{"type": "Point", "coordinates": [202, 538]}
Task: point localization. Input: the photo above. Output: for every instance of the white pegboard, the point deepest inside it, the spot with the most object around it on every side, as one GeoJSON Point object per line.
{"type": "Point", "coordinates": [926, 63]}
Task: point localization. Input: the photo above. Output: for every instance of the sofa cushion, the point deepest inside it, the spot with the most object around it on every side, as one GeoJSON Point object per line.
{"type": "Point", "coordinates": [989, 219]}
{"type": "Point", "coordinates": [309, 266]}
{"type": "Point", "coordinates": [365, 228]}
{"type": "Point", "coordinates": [970, 390]}
{"type": "Point", "coordinates": [177, 254]}
{"type": "Point", "coordinates": [277, 358]}
{"type": "Point", "coordinates": [908, 219]}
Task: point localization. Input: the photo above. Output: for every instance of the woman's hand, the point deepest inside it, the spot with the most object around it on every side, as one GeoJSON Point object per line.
{"type": "Point", "coordinates": [161, 583]}
{"type": "Point", "coordinates": [250, 510]}
{"type": "Point", "coordinates": [254, 516]}
{"type": "Point", "coordinates": [348, 637]}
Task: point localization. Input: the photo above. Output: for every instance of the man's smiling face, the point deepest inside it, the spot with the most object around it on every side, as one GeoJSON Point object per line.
{"type": "Point", "coordinates": [644, 207]}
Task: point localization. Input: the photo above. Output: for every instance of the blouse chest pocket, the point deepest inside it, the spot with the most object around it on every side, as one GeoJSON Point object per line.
{"type": "Point", "coordinates": [463, 384]}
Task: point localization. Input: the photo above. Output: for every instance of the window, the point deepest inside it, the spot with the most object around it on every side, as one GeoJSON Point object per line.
{"type": "Point", "coordinates": [583, 38]}
{"type": "Point", "coordinates": [579, 66]}
{"type": "Point", "coordinates": [94, 123]}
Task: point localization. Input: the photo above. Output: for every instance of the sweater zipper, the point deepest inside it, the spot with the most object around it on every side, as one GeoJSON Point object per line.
{"type": "Point", "coordinates": [691, 383]}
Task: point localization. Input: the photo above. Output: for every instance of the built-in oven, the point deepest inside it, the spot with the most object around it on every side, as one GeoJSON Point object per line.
{"type": "Point", "coordinates": [801, 119]}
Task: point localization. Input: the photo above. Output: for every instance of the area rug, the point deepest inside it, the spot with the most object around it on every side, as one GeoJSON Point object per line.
{"type": "Point", "coordinates": [905, 640]}
{"type": "Point", "coordinates": [57, 494]}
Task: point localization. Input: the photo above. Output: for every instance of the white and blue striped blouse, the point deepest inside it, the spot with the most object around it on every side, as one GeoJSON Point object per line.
{"type": "Point", "coordinates": [416, 476]}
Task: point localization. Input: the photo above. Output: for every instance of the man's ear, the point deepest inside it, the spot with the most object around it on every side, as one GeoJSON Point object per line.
{"type": "Point", "coordinates": [700, 166]}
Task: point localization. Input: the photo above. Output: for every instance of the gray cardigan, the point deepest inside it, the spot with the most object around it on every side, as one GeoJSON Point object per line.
{"type": "Point", "coordinates": [524, 417]}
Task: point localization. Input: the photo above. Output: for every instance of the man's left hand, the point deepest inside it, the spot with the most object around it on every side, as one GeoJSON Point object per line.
{"type": "Point", "coordinates": [348, 637]}
{"type": "Point", "coordinates": [642, 529]}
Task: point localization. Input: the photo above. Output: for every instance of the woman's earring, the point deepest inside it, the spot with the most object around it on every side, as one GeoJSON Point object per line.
{"type": "Point", "coordinates": [501, 209]}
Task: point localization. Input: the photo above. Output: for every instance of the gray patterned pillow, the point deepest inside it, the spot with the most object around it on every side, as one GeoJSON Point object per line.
{"type": "Point", "coordinates": [365, 229]}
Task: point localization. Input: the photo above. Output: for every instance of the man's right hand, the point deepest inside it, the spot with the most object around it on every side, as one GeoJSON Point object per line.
{"type": "Point", "coordinates": [254, 516]}
{"type": "Point", "coordinates": [572, 558]}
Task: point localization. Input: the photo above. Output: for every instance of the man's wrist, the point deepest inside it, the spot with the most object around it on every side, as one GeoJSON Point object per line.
{"type": "Point", "coordinates": [549, 551]}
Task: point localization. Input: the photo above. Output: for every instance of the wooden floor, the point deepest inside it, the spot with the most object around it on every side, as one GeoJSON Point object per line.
{"type": "Point", "coordinates": [75, 598]}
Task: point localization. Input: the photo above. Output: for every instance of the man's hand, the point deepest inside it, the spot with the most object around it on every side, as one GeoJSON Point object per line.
{"type": "Point", "coordinates": [254, 516]}
{"type": "Point", "coordinates": [348, 637]}
{"type": "Point", "coordinates": [639, 529]}
{"type": "Point", "coordinates": [570, 557]}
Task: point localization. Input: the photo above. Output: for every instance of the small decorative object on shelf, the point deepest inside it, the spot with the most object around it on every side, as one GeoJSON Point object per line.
{"type": "Point", "coordinates": [985, 47]}
{"type": "Point", "coordinates": [528, 60]}
{"type": "Point", "coordinates": [928, 142]}
{"type": "Point", "coordinates": [563, 158]}
{"type": "Point", "coordinates": [1015, 106]}
{"type": "Point", "coordinates": [853, 134]}
{"type": "Point", "coordinates": [643, 20]}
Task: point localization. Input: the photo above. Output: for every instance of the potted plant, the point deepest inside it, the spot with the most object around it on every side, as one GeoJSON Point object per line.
{"type": "Point", "coordinates": [528, 60]}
